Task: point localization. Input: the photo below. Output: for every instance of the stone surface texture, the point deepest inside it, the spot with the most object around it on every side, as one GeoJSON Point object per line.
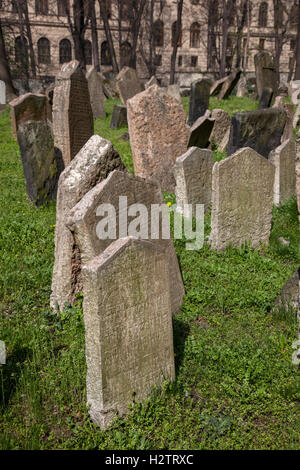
{"type": "Point", "coordinates": [284, 160]}
{"type": "Point", "coordinates": [95, 84]}
{"type": "Point", "coordinates": [199, 99]}
{"type": "Point", "coordinates": [127, 84]}
{"type": "Point", "coordinates": [28, 107]}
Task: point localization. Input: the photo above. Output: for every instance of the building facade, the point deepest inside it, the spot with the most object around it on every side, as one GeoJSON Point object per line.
{"type": "Point", "coordinates": [53, 43]}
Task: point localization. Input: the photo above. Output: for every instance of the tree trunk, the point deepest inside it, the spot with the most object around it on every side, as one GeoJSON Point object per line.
{"type": "Point", "coordinates": [278, 39]}
{"type": "Point", "coordinates": [227, 9]}
{"type": "Point", "coordinates": [135, 30]}
{"type": "Point", "coordinates": [29, 36]}
{"type": "Point", "coordinates": [176, 39]}
{"type": "Point", "coordinates": [78, 31]}
{"type": "Point", "coordinates": [108, 36]}
{"type": "Point", "coordinates": [94, 37]}
{"type": "Point", "coordinates": [5, 74]}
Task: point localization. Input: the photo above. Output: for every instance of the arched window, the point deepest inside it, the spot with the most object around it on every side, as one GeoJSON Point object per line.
{"type": "Point", "coordinates": [263, 15]}
{"type": "Point", "coordinates": [44, 51]}
{"type": "Point", "coordinates": [62, 7]}
{"type": "Point", "coordinates": [65, 51]}
{"type": "Point", "coordinates": [158, 33]}
{"type": "Point", "coordinates": [21, 50]}
{"type": "Point", "coordinates": [195, 35]}
{"type": "Point", "coordinates": [125, 54]}
{"type": "Point", "coordinates": [88, 54]}
{"type": "Point", "coordinates": [105, 54]}
{"type": "Point", "coordinates": [41, 7]}
{"type": "Point", "coordinates": [174, 35]}
{"type": "Point", "coordinates": [294, 15]}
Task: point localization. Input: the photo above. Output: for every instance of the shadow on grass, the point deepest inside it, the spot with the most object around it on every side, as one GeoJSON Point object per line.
{"type": "Point", "coordinates": [180, 332]}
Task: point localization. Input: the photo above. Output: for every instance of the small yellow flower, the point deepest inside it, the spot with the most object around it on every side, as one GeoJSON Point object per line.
{"type": "Point", "coordinates": [169, 203]}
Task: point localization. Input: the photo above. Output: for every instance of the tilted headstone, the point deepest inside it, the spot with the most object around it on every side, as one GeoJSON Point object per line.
{"type": "Point", "coordinates": [97, 98]}
{"type": "Point", "coordinates": [128, 84]}
{"type": "Point", "coordinates": [84, 218]}
{"type": "Point", "coordinates": [229, 85]}
{"type": "Point", "coordinates": [158, 134]}
{"type": "Point", "coordinates": [265, 71]}
{"type": "Point", "coordinates": [73, 122]}
{"type": "Point", "coordinates": [152, 81]}
{"type": "Point", "coordinates": [193, 174]}
{"type": "Point", "coordinates": [91, 165]}
{"type": "Point", "coordinates": [119, 117]}
{"type": "Point", "coordinates": [174, 90]}
{"type": "Point", "coordinates": [200, 132]}
{"type": "Point", "coordinates": [128, 326]}
{"type": "Point", "coordinates": [217, 86]}
{"type": "Point", "coordinates": [261, 130]}
{"type": "Point", "coordinates": [199, 99]}
{"type": "Point", "coordinates": [221, 127]}
{"type": "Point", "coordinates": [243, 213]}
{"type": "Point", "coordinates": [2, 92]}
{"type": "Point", "coordinates": [284, 160]}
{"type": "Point", "coordinates": [265, 98]}
{"type": "Point", "coordinates": [39, 161]}
{"type": "Point", "coordinates": [28, 107]}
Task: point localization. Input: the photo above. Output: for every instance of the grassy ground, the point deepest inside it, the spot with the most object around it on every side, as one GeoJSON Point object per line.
{"type": "Point", "coordinates": [236, 387]}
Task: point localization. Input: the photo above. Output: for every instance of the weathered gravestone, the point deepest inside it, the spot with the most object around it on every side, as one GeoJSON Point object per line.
{"type": "Point", "coordinates": [243, 213]}
{"type": "Point", "coordinates": [284, 160]}
{"type": "Point", "coordinates": [128, 326]}
{"type": "Point", "coordinates": [221, 127]}
{"type": "Point", "coordinates": [73, 122]}
{"type": "Point", "coordinates": [2, 92]}
{"type": "Point", "coordinates": [92, 164]}
{"type": "Point", "coordinates": [174, 90]}
{"type": "Point", "coordinates": [128, 84]}
{"type": "Point", "coordinates": [158, 134]}
{"type": "Point", "coordinates": [85, 222]}
{"type": "Point", "coordinates": [95, 85]}
{"type": "Point", "coordinates": [242, 87]}
{"type": "Point", "coordinates": [200, 132]}
{"type": "Point", "coordinates": [40, 167]}
{"type": "Point", "coordinates": [217, 86]}
{"type": "Point", "coordinates": [152, 81]}
{"type": "Point", "coordinates": [199, 99]}
{"type": "Point", "coordinates": [28, 107]}
{"type": "Point", "coordinates": [229, 84]}
{"type": "Point", "coordinates": [193, 174]}
{"type": "Point", "coordinates": [289, 129]}
{"type": "Point", "coordinates": [261, 130]}
{"type": "Point", "coordinates": [119, 117]}
{"type": "Point", "coordinates": [266, 98]}
{"type": "Point", "coordinates": [265, 71]}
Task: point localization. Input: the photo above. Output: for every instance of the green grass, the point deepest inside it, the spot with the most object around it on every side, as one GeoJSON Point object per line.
{"type": "Point", "coordinates": [235, 388]}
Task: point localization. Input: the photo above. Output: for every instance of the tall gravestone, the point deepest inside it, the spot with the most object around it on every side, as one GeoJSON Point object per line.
{"type": "Point", "coordinates": [119, 117]}
{"type": "Point", "coordinates": [39, 161]}
{"type": "Point", "coordinates": [199, 99]}
{"type": "Point", "coordinates": [127, 84]}
{"type": "Point", "coordinates": [158, 134]}
{"type": "Point", "coordinates": [128, 326]}
{"type": "Point", "coordinates": [193, 174]}
{"type": "Point", "coordinates": [84, 219]}
{"type": "Point", "coordinates": [265, 72]}
{"type": "Point", "coordinates": [284, 160]}
{"type": "Point", "coordinates": [261, 130]}
{"type": "Point", "coordinates": [92, 164]}
{"type": "Point", "coordinates": [95, 85]}
{"type": "Point", "coordinates": [73, 122]}
{"type": "Point", "coordinates": [244, 213]}
{"type": "Point", "coordinates": [28, 107]}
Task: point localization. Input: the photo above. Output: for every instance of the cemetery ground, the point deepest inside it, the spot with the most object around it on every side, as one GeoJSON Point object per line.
{"type": "Point", "coordinates": [236, 386]}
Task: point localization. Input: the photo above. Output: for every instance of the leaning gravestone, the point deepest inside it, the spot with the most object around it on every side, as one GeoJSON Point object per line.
{"type": "Point", "coordinates": [265, 72]}
{"type": "Point", "coordinates": [229, 85]}
{"type": "Point", "coordinates": [95, 85]}
{"type": "Point", "coordinates": [39, 162]}
{"type": "Point", "coordinates": [174, 90]}
{"type": "Point", "coordinates": [90, 166]}
{"type": "Point", "coordinates": [265, 98]}
{"type": "Point", "coordinates": [128, 326]}
{"type": "Point", "coordinates": [244, 213]}
{"type": "Point", "coordinates": [217, 86]}
{"type": "Point", "coordinates": [128, 84]}
{"type": "Point", "coordinates": [221, 127]}
{"type": "Point", "coordinates": [199, 99]}
{"type": "Point", "coordinates": [28, 107]}
{"type": "Point", "coordinates": [193, 174]}
{"type": "Point", "coordinates": [261, 130]}
{"type": "Point", "coordinates": [73, 122]}
{"type": "Point", "coordinates": [200, 132]}
{"type": "Point", "coordinates": [158, 134]}
{"type": "Point", "coordinates": [84, 218]}
{"type": "Point", "coordinates": [2, 92]}
{"type": "Point", "coordinates": [119, 117]}
{"type": "Point", "coordinates": [284, 160]}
